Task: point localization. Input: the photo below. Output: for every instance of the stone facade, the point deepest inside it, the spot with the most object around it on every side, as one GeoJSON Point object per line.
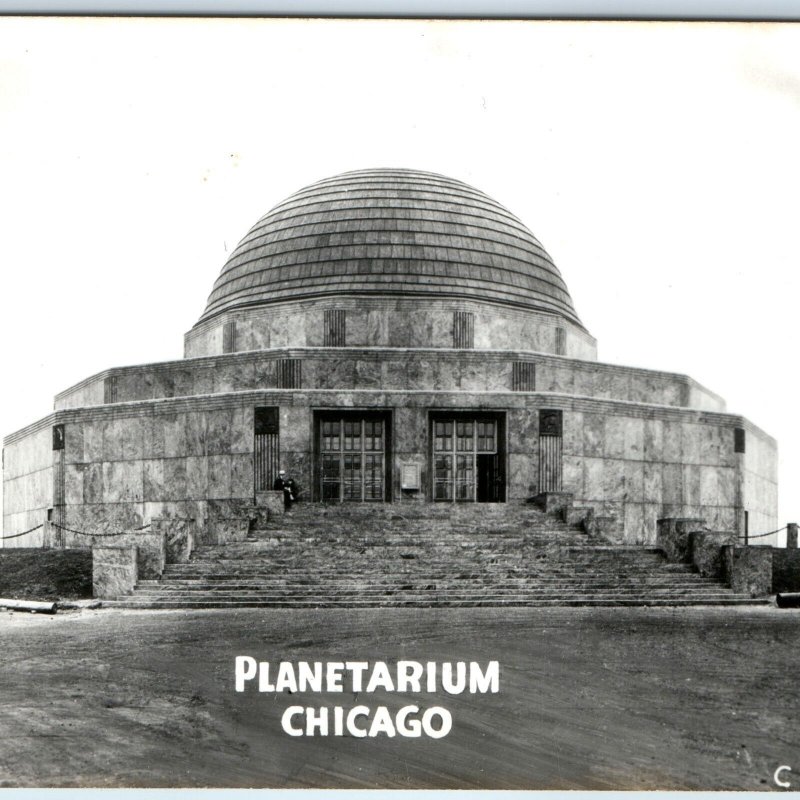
{"type": "Point", "coordinates": [417, 324]}
{"type": "Point", "coordinates": [285, 364]}
{"type": "Point", "coordinates": [127, 463]}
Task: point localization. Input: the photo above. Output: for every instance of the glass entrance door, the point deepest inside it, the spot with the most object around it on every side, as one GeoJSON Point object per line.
{"type": "Point", "coordinates": [352, 459]}
{"type": "Point", "coordinates": [466, 464]}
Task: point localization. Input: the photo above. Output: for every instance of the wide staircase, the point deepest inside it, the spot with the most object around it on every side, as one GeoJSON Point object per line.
{"type": "Point", "coordinates": [420, 556]}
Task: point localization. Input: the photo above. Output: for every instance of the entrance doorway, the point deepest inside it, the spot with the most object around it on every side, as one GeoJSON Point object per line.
{"type": "Point", "coordinates": [352, 456]}
{"type": "Point", "coordinates": [467, 457]}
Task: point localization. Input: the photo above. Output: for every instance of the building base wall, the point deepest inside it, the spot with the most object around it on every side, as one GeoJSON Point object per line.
{"type": "Point", "coordinates": [125, 464]}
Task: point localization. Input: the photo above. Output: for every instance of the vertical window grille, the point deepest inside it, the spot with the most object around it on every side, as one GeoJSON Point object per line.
{"type": "Point", "coordinates": [267, 455]}
{"type": "Point", "coordinates": [463, 330]}
{"type": "Point", "coordinates": [229, 337]}
{"type": "Point", "coordinates": [289, 373]}
{"type": "Point", "coordinates": [110, 389]}
{"type": "Point", "coordinates": [335, 335]}
{"type": "Point", "coordinates": [561, 342]}
{"type": "Point", "coordinates": [738, 440]}
{"type": "Point", "coordinates": [59, 486]}
{"type": "Point", "coordinates": [523, 376]}
{"type": "Point", "coordinates": [550, 460]}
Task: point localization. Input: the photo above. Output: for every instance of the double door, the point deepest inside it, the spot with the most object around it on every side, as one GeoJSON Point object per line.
{"type": "Point", "coordinates": [352, 453]}
{"type": "Point", "coordinates": [467, 463]}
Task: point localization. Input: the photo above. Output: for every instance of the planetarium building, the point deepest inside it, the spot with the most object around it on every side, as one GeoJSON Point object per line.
{"type": "Point", "coordinates": [387, 336]}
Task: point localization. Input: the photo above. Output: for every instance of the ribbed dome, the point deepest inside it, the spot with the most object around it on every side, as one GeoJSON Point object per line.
{"type": "Point", "coordinates": [393, 233]}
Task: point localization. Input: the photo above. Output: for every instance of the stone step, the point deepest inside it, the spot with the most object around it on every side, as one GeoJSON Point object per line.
{"type": "Point", "coordinates": [414, 567]}
{"type": "Point", "coordinates": [356, 581]}
{"type": "Point", "coordinates": [363, 585]}
{"type": "Point", "coordinates": [566, 600]}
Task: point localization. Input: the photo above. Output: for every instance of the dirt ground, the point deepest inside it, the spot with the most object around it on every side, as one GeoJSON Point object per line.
{"type": "Point", "coordinates": [589, 699]}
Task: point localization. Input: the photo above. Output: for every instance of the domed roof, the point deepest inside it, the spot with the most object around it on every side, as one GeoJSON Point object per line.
{"type": "Point", "coordinates": [391, 233]}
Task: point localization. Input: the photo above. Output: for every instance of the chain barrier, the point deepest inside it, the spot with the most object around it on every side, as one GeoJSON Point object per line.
{"type": "Point", "coordinates": [108, 533]}
{"type": "Point", "coordinates": [70, 530]}
{"type": "Point", "coordinates": [24, 533]}
{"type": "Point", "coordinates": [749, 536]}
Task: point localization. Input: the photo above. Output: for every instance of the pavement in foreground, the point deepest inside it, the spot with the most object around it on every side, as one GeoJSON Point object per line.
{"type": "Point", "coordinates": [623, 698]}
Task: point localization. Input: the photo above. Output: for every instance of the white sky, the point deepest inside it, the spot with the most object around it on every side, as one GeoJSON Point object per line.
{"type": "Point", "coordinates": [657, 163]}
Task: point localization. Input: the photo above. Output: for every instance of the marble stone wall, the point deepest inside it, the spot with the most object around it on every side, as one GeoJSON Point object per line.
{"type": "Point", "coordinates": [759, 481]}
{"type": "Point", "coordinates": [423, 370]}
{"type": "Point", "coordinates": [128, 463]}
{"type": "Point", "coordinates": [27, 485]}
{"type": "Point", "coordinates": [381, 322]}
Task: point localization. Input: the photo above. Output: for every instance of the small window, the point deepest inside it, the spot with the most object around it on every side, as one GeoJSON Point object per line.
{"type": "Point", "coordinates": [738, 440]}
{"type": "Point", "coordinates": [58, 437]}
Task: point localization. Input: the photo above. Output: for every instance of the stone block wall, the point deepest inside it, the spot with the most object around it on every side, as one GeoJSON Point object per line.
{"type": "Point", "coordinates": [643, 466]}
{"type": "Point", "coordinates": [384, 322]}
{"type": "Point", "coordinates": [353, 369]}
{"type": "Point", "coordinates": [759, 481]}
{"type": "Point", "coordinates": [128, 463]}
{"type": "Point", "coordinates": [28, 484]}
{"type": "Point", "coordinates": [124, 470]}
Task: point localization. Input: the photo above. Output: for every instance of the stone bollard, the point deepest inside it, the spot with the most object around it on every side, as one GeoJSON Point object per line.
{"type": "Point", "coordinates": [114, 570]}
{"type": "Point", "coordinates": [672, 536]}
{"type": "Point", "coordinates": [748, 570]}
{"type": "Point", "coordinates": [791, 536]}
{"type": "Point", "coordinates": [272, 500]}
{"type": "Point", "coordinates": [179, 537]}
{"type": "Point", "coordinates": [706, 552]}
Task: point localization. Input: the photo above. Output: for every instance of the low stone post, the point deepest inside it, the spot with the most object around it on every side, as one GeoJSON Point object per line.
{"type": "Point", "coordinates": [114, 570]}
{"type": "Point", "coordinates": [672, 536]}
{"type": "Point", "coordinates": [553, 502]}
{"type": "Point", "coordinates": [178, 535]}
{"type": "Point", "coordinates": [748, 570]}
{"type": "Point", "coordinates": [791, 535]}
{"type": "Point", "coordinates": [603, 528]}
{"type": "Point", "coordinates": [272, 500]}
{"type": "Point", "coordinates": [706, 552]}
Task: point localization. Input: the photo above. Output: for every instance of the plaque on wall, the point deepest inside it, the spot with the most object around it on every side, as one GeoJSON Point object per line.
{"type": "Point", "coordinates": [550, 422]}
{"type": "Point", "coordinates": [266, 420]}
{"type": "Point", "coordinates": [409, 477]}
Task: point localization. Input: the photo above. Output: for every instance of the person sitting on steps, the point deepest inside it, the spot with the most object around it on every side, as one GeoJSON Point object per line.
{"type": "Point", "coordinates": [282, 482]}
